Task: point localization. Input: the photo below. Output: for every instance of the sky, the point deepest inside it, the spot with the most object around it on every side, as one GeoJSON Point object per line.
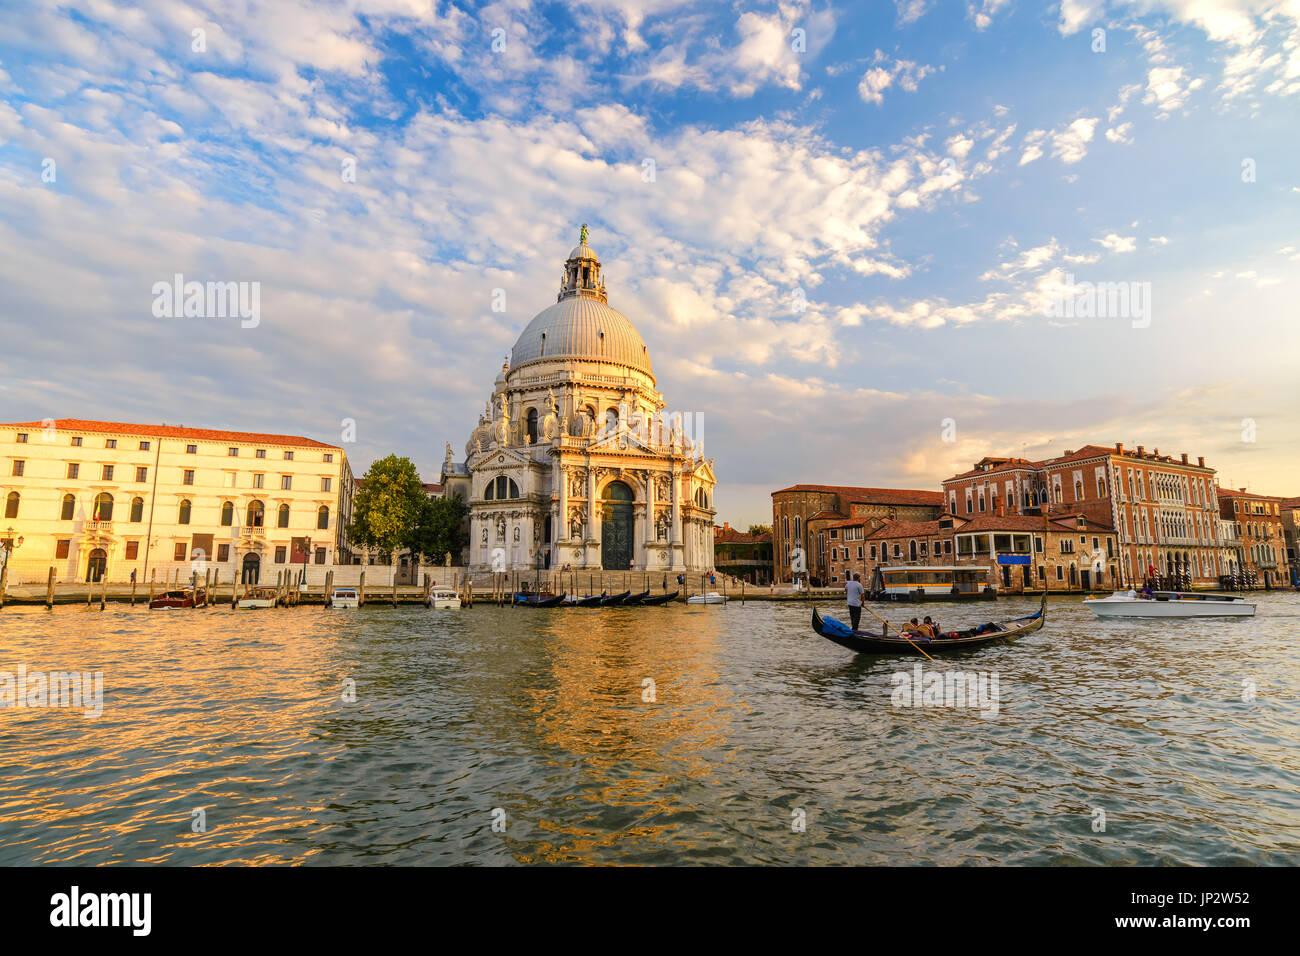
{"type": "Point", "coordinates": [865, 241]}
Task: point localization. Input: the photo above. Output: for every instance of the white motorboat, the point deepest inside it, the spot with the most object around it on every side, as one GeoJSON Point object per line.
{"type": "Point", "coordinates": [344, 597]}
{"type": "Point", "coordinates": [444, 598]}
{"type": "Point", "coordinates": [259, 598]}
{"type": "Point", "coordinates": [1169, 604]}
{"type": "Point", "coordinates": [713, 597]}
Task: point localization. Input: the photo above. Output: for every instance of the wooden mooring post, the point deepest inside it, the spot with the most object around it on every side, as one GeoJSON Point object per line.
{"type": "Point", "coordinates": [361, 591]}
{"type": "Point", "coordinates": [49, 591]}
{"type": "Point", "coordinates": [329, 588]}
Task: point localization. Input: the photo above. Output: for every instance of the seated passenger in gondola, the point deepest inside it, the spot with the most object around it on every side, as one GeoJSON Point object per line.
{"type": "Point", "coordinates": [932, 625]}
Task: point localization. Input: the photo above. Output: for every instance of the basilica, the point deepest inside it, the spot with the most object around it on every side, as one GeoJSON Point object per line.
{"type": "Point", "coordinates": [573, 464]}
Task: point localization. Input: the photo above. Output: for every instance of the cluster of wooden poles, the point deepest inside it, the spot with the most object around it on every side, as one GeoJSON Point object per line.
{"type": "Point", "coordinates": [506, 584]}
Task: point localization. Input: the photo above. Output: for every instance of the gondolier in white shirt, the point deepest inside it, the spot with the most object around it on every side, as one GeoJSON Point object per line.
{"type": "Point", "coordinates": [853, 595]}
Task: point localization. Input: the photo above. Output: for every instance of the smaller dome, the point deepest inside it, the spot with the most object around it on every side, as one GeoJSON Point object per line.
{"type": "Point", "coordinates": [582, 251]}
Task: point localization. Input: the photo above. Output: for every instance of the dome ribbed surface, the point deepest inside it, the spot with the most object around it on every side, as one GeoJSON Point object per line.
{"type": "Point", "coordinates": [584, 328]}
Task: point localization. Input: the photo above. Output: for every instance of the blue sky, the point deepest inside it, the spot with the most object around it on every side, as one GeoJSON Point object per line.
{"type": "Point", "coordinates": [923, 174]}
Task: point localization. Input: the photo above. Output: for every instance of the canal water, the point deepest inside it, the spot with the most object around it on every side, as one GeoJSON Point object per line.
{"type": "Point", "coordinates": [704, 735]}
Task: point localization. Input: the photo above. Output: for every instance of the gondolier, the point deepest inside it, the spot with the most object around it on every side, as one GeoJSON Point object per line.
{"type": "Point", "coordinates": [853, 597]}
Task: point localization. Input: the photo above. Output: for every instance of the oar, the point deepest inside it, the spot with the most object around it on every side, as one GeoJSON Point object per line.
{"type": "Point", "coordinates": [904, 635]}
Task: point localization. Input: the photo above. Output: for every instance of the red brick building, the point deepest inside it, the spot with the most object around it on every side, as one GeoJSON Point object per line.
{"type": "Point", "coordinates": [1260, 533]}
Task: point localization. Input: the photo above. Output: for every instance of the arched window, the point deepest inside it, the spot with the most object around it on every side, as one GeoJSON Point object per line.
{"type": "Point", "coordinates": [69, 507]}
{"type": "Point", "coordinates": [103, 507]}
{"type": "Point", "coordinates": [611, 420]}
{"type": "Point", "coordinates": [11, 505]}
{"type": "Point", "coordinates": [502, 488]}
{"type": "Point", "coordinates": [256, 514]}
{"type": "Point", "coordinates": [912, 550]}
{"type": "Point", "coordinates": [227, 514]}
{"type": "Point", "coordinates": [1078, 491]}
{"type": "Point", "coordinates": [323, 517]}
{"type": "Point", "coordinates": [137, 509]}
{"type": "Point", "coordinates": [532, 425]}
{"type": "Point", "coordinates": [282, 517]}
{"type": "Point", "coordinates": [184, 516]}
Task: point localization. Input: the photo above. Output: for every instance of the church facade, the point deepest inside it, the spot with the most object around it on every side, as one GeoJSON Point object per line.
{"type": "Point", "coordinates": [573, 463]}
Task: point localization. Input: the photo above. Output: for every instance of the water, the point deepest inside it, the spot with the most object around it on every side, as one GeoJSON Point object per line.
{"type": "Point", "coordinates": [540, 714]}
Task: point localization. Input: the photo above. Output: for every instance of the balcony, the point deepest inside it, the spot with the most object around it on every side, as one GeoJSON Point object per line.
{"type": "Point", "coordinates": [95, 526]}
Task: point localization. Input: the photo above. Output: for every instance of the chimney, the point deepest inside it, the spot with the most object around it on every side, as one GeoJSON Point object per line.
{"type": "Point", "coordinates": [1141, 451]}
{"type": "Point", "coordinates": [1200, 460]}
{"type": "Point", "coordinates": [1184, 458]}
{"type": "Point", "coordinates": [726, 527]}
{"type": "Point", "coordinates": [1242, 490]}
{"type": "Point", "coordinates": [1069, 452]}
{"type": "Point", "coordinates": [1156, 453]}
{"type": "Point", "coordinates": [1119, 448]}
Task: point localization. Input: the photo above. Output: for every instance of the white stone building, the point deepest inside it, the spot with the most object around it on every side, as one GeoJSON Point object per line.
{"type": "Point", "coordinates": [573, 462]}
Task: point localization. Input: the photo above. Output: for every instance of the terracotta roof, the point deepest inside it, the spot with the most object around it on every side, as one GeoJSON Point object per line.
{"type": "Point", "coordinates": [1290, 503]}
{"type": "Point", "coordinates": [823, 515]}
{"type": "Point", "coordinates": [732, 535]}
{"type": "Point", "coordinates": [849, 523]}
{"type": "Point", "coordinates": [883, 496]}
{"type": "Point", "coordinates": [1248, 494]}
{"type": "Point", "coordinates": [75, 425]}
{"type": "Point", "coordinates": [1008, 464]}
{"type": "Point", "coordinates": [906, 529]}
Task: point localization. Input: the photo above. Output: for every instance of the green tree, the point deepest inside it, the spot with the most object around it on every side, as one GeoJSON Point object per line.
{"type": "Point", "coordinates": [387, 509]}
{"type": "Point", "coordinates": [441, 529]}
{"type": "Point", "coordinates": [760, 529]}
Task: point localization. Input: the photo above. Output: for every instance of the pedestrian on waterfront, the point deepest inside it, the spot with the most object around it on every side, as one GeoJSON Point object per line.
{"type": "Point", "coordinates": [853, 597]}
{"type": "Point", "coordinates": [133, 575]}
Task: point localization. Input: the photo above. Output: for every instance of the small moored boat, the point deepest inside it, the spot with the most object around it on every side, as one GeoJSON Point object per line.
{"type": "Point", "coordinates": [614, 600]}
{"type": "Point", "coordinates": [660, 599]}
{"type": "Point", "coordinates": [638, 598]}
{"type": "Point", "coordinates": [261, 597]}
{"type": "Point", "coordinates": [713, 597]}
{"type": "Point", "coordinates": [591, 600]}
{"type": "Point", "coordinates": [886, 643]}
{"type": "Point", "coordinates": [170, 600]}
{"type": "Point", "coordinates": [344, 598]}
{"type": "Point", "coordinates": [539, 600]}
{"type": "Point", "coordinates": [444, 598]}
{"type": "Point", "coordinates": [1169, 604]}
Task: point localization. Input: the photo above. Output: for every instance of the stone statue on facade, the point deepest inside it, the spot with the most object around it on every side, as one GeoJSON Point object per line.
{"type": "Point", "coordinates": [501, 529]}
{"type": "Point", "coordinates": [503, 424]}
{"type": "Point", "coordinates": [550, 424]}
{"type": "Point", "coordinates": [661, 526]}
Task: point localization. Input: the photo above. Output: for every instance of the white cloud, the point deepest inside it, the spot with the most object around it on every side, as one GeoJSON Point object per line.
{"type": "Point", "coordinates": [885, 73]}
{"type": "Point", "coordinates": [1115, 243]}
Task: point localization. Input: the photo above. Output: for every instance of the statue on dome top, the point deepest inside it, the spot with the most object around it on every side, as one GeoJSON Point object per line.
{"type": "Point", "coordinates": [582, 236]}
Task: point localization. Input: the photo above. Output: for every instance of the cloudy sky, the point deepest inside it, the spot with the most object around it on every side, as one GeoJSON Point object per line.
{"type": "Point", "coordinates": [836, 226]}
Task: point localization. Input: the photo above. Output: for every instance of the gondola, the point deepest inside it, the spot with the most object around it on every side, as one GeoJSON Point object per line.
{"type": "Point", "coordinates": [659, 599]}
{"type": "Point", "coordinates": [865, 643]}
{"type": "Point", "coordinates": [535, 600]}
{"type": "Point", "coordinates": [614, 600]}
{"type": "Point", "coordinates": [638, 598]}
{"type": "Point", "coordinates": [591, 600]}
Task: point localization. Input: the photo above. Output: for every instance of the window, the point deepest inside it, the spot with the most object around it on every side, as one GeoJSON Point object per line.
{"type": "Point", "coordinates": [286, 482]}
{"type": "Point", "coordinates": [320, 555]}
{"type": "Point", "coordinates": [279, 554]}
{"type": "Point", "coordinates": [227, 514]}
{"type": "Point", "coordinates": [223, 552]}
{"type": "Point", "coordinates": [1059, 575]}
{"type": "Point", "coordinates": [76, 443]}
{"type": "Point", "coordinates": [184, 516]}
{"type": "Point", "coordinates": [103, 507]}
{"type": "Point", "coordinates": [282, 517]}
{"type": "Point", "coordinates": [260, 453]}
{"type": "Point", "coordinates": [74, 469]}
{"type": "Point", "coordinates": [11, 505]}
{"type": "Point", "coordinates": [22, 438]}
{"type": "Point", "coordinates": [137, 509]}
{"type": "Point", "coordinates": [144, 446]}
{"type": "Point", "coordinates": [107, 473]}
{"type": "Point", "coordinates": [323, 518]}
{"type": "Point", "coordinates": [111, 443]}
{"type": "Point", "coordinates": [873, 552]}
{"type": "Point", "coordinates": [69, 505]}
{"type": "Point", "coordinates": [132, 550]}
{"type": "Point", "coordinates": [256, 514]}
{"type": "Point", "coordinates": [189, 477]}
{"type": "Point", "coordinates": [61, 548]}
{"type": "Point", "coordinates": [257, 480]}
{"type": "Point", "coordinates": [19, 467]}
{"type": "Point", "coordinates": [288, 456]}
{"type": "Point", "coordinates": [328, 458]}
{"type": "Point", "coordinates": [232, 452]}
{"type": "Point", "coordinates": [898, 552]}
{"type": "Point", "coordinates": [178, 552]}
{"type": "Point", "coordinates": [324, 484]}
{"type": "Point", "coordinates": [191, 449]}
{"type": "Point", "coordinates": [141, 474]}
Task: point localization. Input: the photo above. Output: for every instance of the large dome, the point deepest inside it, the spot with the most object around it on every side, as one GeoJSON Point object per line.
{"type": "Point", "coordinates": [583, 328]}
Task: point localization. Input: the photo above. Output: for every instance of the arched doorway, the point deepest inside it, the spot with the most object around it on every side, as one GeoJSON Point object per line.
{"type": "Point", "coordinates": [97, 565]}
{"type": "Point", "coordinates": [616, 527]}
{"type": "Point", "coordinates": [252, 568]}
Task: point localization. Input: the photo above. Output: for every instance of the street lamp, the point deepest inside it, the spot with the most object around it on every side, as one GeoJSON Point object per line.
{"type": "Point", "coordinates": [306, 550]}
{"type": "Point", "coordinates": [8, 546]}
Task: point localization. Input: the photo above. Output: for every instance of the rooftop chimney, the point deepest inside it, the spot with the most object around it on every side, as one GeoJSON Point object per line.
{"type": "Point", "coordinates": [1142, 451]}
{"type": "Point", "coordinates": [1200, 460]}
{"type": "Point", "coordinates": [1069, 452]}
{"type": "Point", "coordinates": [1119, 448]}
{"type": "Point", "coordinates": [1184, 458]}
{"type": "Point", "coordinates": [1242, 490]}
{"type": "Point", "coordinates": [1156, 453]}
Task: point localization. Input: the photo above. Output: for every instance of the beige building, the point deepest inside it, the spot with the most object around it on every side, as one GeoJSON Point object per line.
{"type": "Point", "coordinates": [92, 498]}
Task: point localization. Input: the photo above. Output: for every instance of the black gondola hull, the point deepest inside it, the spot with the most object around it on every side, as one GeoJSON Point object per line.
{"type": "Point", "coordinates": [863, 643]}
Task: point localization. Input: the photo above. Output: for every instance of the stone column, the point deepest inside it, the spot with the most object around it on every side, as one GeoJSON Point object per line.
{"type": "Point", "coordinates": [649, 513]}
{"type": "Point", "coordinates": [560, 530]}
{"type": "Point", "coordinates": [591, 517]}
{"type": "Point", "coordinates": [676, 480]}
